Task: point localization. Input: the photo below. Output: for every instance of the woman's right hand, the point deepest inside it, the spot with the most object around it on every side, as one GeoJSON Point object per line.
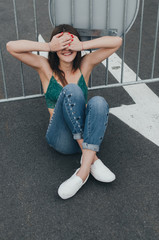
{"type": "Point", "coordinates": [60, 41]}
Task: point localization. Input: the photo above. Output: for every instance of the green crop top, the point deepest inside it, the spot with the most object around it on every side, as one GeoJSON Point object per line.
{"type": "Point", "coordinates": [54, 89]}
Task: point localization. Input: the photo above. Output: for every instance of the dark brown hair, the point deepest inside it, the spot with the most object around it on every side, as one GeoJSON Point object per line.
{"type": "Point", "coordinates": [54, 59]}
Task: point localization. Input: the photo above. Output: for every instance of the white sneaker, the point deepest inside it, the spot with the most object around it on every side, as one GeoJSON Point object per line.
{"type": "Point", "coordinates": [71, 186]}
{"type": "Point", "coordinates": [100, 172]}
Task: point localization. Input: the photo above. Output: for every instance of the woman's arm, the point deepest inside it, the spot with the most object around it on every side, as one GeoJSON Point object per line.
{"type": "Point", "coordinates": [106, 45]}
{"type": "Point", "coordinates": [102, 42]}
{"type": "Point", "coordinates": [22, 46]}
{"type": "Point", "coordinates": [22, 49]}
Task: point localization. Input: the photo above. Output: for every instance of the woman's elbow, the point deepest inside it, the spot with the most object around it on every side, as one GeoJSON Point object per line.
{"type": "Point", "coordinates": [119, 41]}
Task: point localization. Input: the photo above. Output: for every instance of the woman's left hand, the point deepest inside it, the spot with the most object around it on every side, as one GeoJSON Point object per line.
{"type": "Point", "coordinates": [76, 44]}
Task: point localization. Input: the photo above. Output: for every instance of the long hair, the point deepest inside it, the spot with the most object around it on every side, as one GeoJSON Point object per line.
{"type": "Point", "coordinates": [54, 59]}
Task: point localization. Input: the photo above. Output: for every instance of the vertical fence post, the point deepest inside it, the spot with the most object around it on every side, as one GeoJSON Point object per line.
{"type": "Point", "coordinates": [17, 33]}
{"type": "Point", "coordinates": [155, 44]}
{"type": "Point", "coordinates": [140, 40]}
{"type": "Point", "coordinates": [3, 74]}
{"type": "Point", "coordinates": [35, 19]}
{"type": "Point", "coordinates": [124, 39]}
{"type": "Point", "coordinates": [36, 32]}
{"type": "Point", "coordinates": [107, 27]}
{"type": "Point", "coordinates": [90, 27]}
{"type": "Point", "coordinates": [72, 12]}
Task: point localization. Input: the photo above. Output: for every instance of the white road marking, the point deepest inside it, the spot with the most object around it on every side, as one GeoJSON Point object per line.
{"type": "Point", "coordinates": [143, 116]}
{"type": "Point", "coordinates": [141, 93]}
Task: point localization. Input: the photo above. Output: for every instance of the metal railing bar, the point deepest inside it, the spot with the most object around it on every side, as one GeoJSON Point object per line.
{"type": "Point", "coordinates": [90, 27]}
{"type": "Point", "coordinates": [17, 33]}
{"type": "Point", "coordinates": [3, 74]}
{"type": "Point", "coordinates": [107, 66]}
{"type": "Point", "coordinates": [124, 39]}
{"type": "Point", "coordinates": [155, 44]}
{"type": "Point", "coordinates": [90, 14]}
{"type": "Point", "coordinates": [35, 19]}
{"type": "Point", "coordinates": [21, 98]}
{"type": "Point", "coordinates": [92, 88]}
{"type": "Point", "coordinates": [90, 79]}
{"type": "Point", "coordinates": [124, 84]}
{"type": "Point", "coordinates": [107, 14]}
{"type": "Point", "coordinates": [140, 40]}
{"type": "Point", "coordinates": [15, 19]}
{"type": "Point", "coordinates": [72, 12]}
{"type": "Point", "coordinates": [36, 32]}
{"type": "Point", "coordinates": [107, 27]}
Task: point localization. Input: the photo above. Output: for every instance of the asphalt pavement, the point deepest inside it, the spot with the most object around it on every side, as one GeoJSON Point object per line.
{"type": "Point", "coordinates": [31, 171]}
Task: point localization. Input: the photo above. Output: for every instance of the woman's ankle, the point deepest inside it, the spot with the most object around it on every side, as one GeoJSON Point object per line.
{"type": "Point", "coordinates": [83, 173]}
{"type": "Point", "coordinates": [95, 158]}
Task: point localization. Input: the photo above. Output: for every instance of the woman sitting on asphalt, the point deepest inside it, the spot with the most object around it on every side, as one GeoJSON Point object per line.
{"type": "Point", "coordinates": [76, 126]}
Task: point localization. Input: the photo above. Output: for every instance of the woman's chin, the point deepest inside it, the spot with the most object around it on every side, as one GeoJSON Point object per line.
{"type": "Point", "coordinates": [68, 59]}
{"type": "Point", "coordinates": [67, 56]}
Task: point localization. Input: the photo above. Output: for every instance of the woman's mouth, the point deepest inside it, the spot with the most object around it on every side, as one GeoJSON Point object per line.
{"type": "Point", "coordinates": [67, 53]}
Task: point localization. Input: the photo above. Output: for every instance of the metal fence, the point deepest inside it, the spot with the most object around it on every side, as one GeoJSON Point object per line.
{"type": "Point", "coordinates": [91, 34]}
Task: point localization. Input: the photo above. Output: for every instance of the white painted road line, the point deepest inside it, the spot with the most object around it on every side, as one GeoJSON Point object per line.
{"type": "Point", "coordinates": [141, 93]}
{"type": "Point", "coordinates": [142, 116]}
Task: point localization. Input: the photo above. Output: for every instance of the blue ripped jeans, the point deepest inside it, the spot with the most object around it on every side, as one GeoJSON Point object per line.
{"type": "Point", "coordinates": [72, 120]}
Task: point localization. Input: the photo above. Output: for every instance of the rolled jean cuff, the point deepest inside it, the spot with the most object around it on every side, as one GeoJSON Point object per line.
{"type": "Point", "coordinates": [77, 136]}
{"type": "Point", "coordinates": [90, 147]}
